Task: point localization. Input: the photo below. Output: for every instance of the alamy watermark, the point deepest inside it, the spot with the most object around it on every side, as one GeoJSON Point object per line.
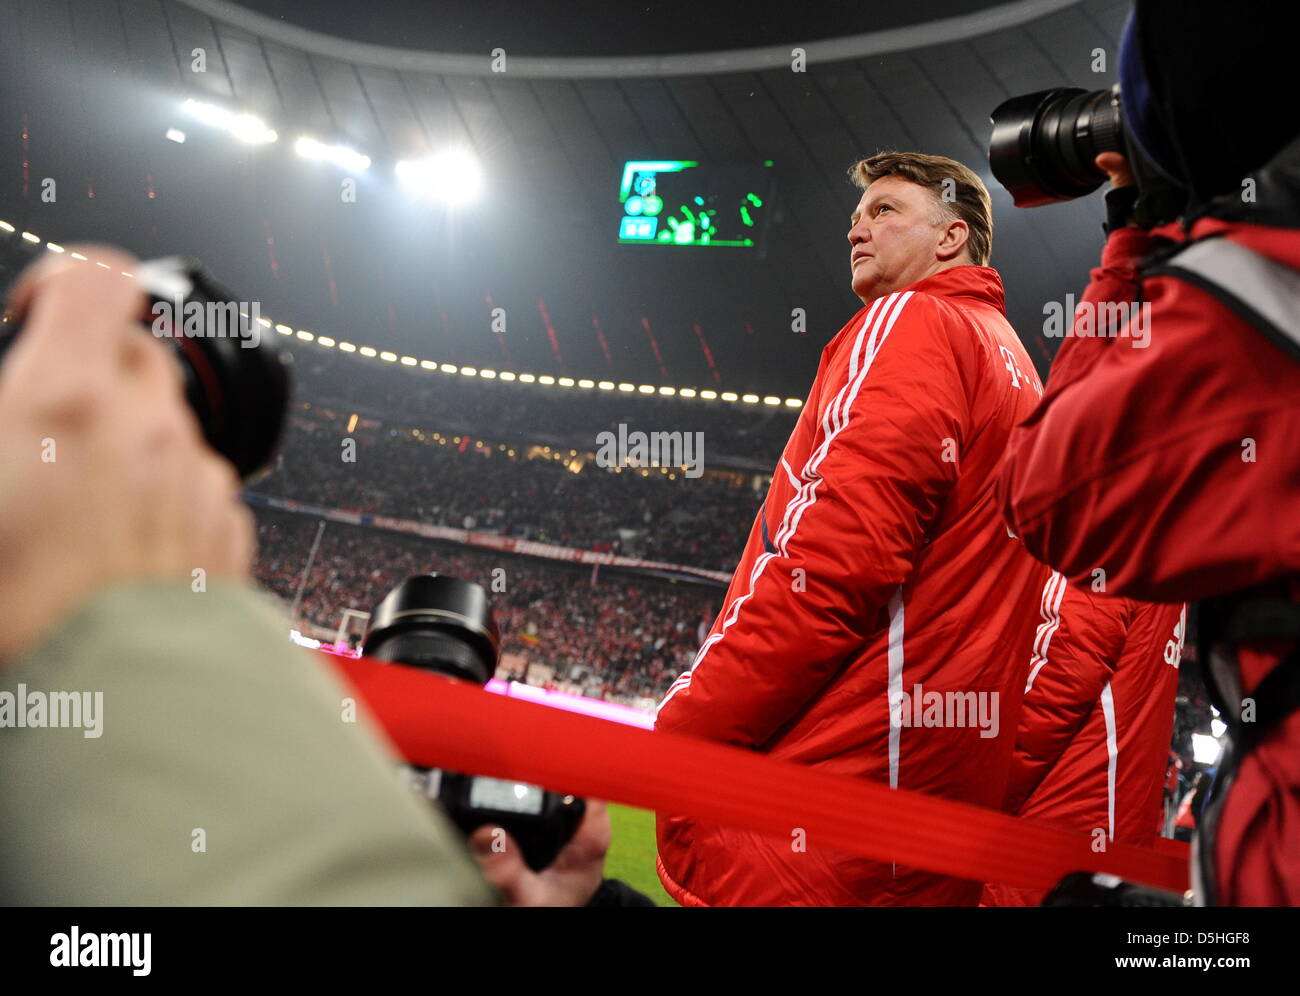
{"type": "Point", "coordinates": [53, 710]}
{"type": "Point", "coordinates": [1098, 320]}
{"type": "Point", "coordinates": [947, 710]}
{"type": "Point", "coordinates": [102, 950]}
{"type": "Point", "coordinates": [684, 450]}
{"type": "Point", "coordinates": [208, 320]}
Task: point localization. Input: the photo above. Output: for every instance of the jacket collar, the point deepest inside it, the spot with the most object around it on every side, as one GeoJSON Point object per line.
{"type": "Point", "coordinates": [980, 283]}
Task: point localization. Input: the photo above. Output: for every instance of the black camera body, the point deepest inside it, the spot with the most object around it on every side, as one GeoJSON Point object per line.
{"type": "Point", "coordinates": [236, 379]}
{"type": "Point", "coordinates": [1044, 143]}
{"type": "Point", "coordinates": [445, 625]}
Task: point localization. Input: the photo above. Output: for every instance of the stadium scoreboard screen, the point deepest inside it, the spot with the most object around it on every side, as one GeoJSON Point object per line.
{"type": "Point", "coordinates": [677, 202]}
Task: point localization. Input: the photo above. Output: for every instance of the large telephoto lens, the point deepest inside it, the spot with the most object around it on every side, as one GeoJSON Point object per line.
{"type": "Point", "coordinates": [1044, 143]}
{"type": "Point", "coordinates": [437, 623]}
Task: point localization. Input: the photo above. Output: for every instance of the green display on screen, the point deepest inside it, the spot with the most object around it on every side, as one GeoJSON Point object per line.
{"type": "Point", "coordinates": [679, 202]}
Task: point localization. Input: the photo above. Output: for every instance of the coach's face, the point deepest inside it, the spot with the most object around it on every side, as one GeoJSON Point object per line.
{"type": "Point", "coordinates": [899, 236]}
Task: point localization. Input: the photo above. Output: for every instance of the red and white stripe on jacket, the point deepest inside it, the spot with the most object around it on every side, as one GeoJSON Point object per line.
{"type": "Point", "coordinates": [1093, 740]}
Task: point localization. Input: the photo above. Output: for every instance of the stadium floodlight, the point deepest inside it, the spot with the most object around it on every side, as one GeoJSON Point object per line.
{"type": "Point", "coordinates": [1205, 749]}
{"type": "Point", "coordinates": [340, 155]}
{"type": "Point", "coordinates": [451, 177]}
{"type": "Point", "coordinates": [245, 127]}
{"type": "Point", "coordinates": [176, 135]}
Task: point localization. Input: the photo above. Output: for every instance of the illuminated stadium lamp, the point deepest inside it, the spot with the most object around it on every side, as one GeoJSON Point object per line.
{"type": "Point", "coordinates": [668, 391]}
{"type": "Point", "coordinates": [1205, 748]}
{"type": "Point", "coordinates": [566, 381]}
{"type": "Point", "coordinates": [646, 389]}
{"type": "Point", "coordinates": [368, 351]}
{"type": "Point", "coordinates": [53, 247]}
{"type": "Point", "coordinates": [506, 375]}
{"type": "Point", "coordinates": [527, 378]}
{"type": "Point", "coordinates": [468, 372]}
{"type": "Point", "coordinates": [750, 399]}
{"type": "Point", "coordinates": [305, 336]}
{"type": "Point", "coordinates": [264, 322]}
{"type": "Point", "coordinates": [324, 340]}
{"type": "Point", "coordinates": [728, 396]}
{"type": "Point", "coordinates": [546, 379]}
{"type": "Point", "coordinates": [451, 177]}
{"type": "Point", "coordinates": [175, 135]}
{"type": "Point", "coordinates": [389, 356]}
{"type": "Point", "coordinates": [488, 375]}
{"type": "Point", "coordinates": [7, 227]}
{"type": "Point", "coordinates": [77, 255]}
{"type": "Point", "coordinates": [245, 127]}
{"type": "Point", "coordinates": [409, 361]}
{"type": "Point", "coordinates": [708, 395]}
{"type": "Point", "coordinates": [35, 239]}
{"type": "Point", "coordinates": [448, 368]}
{"type": "Point", "coordinates": [606, 385]}
{"type": "Point", "coordinates": [284, 329]}
{"type": "Point", "coordinates": [626, 388]}
{"type": "Point", "coordinates": [586, 385]}
{"type": "Point", "coordinates": [769, 400]}
{"type": "Point", "coordinates": [687, 392]}
{"type": "Point", "coordinates": [347, 347]}
{"type": "Point", "coordinates": [340, 155]}
{"type": "Point", "coordinates": [428, 365]}
{"type": "Point", "coordinates": [793, 403]}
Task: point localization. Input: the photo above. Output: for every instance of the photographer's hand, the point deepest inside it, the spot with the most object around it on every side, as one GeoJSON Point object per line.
{"type": "Point", "coordinates": [1122, 196]}
{"type": "Point", "coordinates": [107, 477]}
{"type": "Point", "coordinates": [570, 880]}
{"type": "Point", "coordinates": [1115, 166]}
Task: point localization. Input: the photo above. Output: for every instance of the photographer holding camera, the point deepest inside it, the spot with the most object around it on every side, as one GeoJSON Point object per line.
{"type": "Point", "coordinates": [1197, 427]}
{"type": "Point", "coordinates": [217, 771]}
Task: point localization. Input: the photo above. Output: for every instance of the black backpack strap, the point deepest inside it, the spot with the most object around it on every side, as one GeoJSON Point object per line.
{"type": "Point", "coordinates": [1265, 293]}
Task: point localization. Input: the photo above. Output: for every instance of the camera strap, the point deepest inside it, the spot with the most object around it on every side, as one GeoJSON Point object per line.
{"type": "Point", "coordinates": [1263, 292]}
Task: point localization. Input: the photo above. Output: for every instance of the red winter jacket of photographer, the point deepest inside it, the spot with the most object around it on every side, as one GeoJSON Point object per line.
{"type": "Point", "coordinates": [1174, 469]}
{"type": "Point", "coordinates": [878, 563]}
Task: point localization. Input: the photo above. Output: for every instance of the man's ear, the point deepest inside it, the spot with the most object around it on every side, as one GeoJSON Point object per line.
{"type": "Point", "coordinates": [956, 235]}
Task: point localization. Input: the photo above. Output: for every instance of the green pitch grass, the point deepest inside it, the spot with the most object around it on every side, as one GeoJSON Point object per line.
{"type": "Point", "coordinates": [632, 852]}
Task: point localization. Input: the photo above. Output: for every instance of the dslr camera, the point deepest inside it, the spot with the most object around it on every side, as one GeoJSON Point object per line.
{"type": "Point", "coordinates": [1044, 143]}
{"type": "Point", "coordinates": [445, 625]}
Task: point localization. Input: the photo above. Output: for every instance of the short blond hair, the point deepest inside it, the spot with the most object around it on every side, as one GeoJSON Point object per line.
{"type": "Point", "coordinates": [968, 200]}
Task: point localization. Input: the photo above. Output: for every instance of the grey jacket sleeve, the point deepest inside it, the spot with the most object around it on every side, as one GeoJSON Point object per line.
{"type": "Point", "coordinates": [214, 764]}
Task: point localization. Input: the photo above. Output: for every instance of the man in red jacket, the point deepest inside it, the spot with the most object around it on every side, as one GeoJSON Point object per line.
{"type": "Point", "coordinates": [877, 621]}
{"type": "Point", "coordinates": [1093, 742]}
{"type": "Point", "coordinates": [1199, 429]}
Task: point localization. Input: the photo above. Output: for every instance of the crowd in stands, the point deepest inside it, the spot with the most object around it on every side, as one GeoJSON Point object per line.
{"type": "Point", "coordinates": [735, 432]}
{"type": "Point", "coordinates": [514, 489]}
{"type": "Point", "coordinates": [620, 637]}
